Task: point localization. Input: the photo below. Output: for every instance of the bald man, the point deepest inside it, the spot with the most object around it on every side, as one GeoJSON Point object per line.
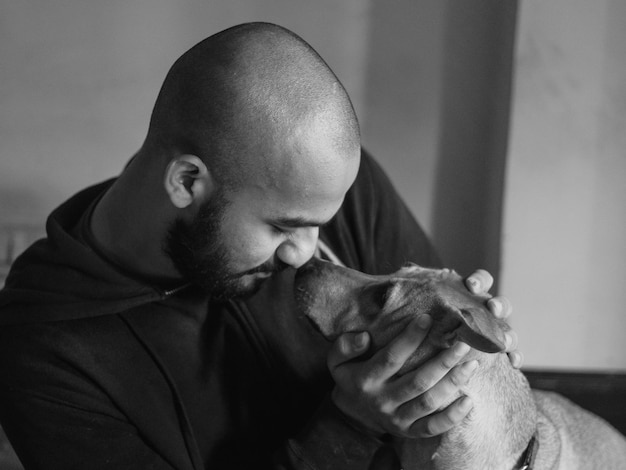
{"type": "Point", "coordinates": [154, 327]}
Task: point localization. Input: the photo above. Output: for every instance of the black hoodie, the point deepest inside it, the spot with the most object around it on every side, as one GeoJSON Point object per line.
{"type": "Point", "coordinates": [100, 369]}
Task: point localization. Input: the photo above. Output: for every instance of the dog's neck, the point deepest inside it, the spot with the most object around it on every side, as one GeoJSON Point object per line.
{"type": "Point", "coordinates": [494, 435]}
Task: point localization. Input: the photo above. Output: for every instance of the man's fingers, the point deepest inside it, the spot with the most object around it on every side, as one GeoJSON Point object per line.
{"type": "Point", "coordinates": [479, 282]}
{"type": "Point", "coordinates": [438, 395]}
{"type": "Point", "coordinates": [438, 377]}
{"type": "Point", "coordinates": [516, 358]}
{"type": "Point", "coordinates": [443, 421]}
{"type": "Point", "coordinates": [501, 307]}
{"type": "Point", "coordinates": [511, 340]}
{"type": "Point", "coordinates": [347, 347]}
{"type": "Point", "coordinates": [392, 357]}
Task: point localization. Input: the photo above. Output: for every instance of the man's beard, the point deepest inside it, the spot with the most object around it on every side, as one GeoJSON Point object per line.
{"type": "Point", "coordinates": [199, 254]}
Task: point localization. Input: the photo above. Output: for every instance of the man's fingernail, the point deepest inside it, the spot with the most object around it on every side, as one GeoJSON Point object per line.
{"type": "Point", "coordinates": [470, 367]}
{"type": "Point", "coordinates": [473, 283]}
{"type": "Point", "coordinates": [360, 340]}
{"type": "Point", "coordinates": [466, 404]}
{"type": "Point", "coordinates": [461, 349]}
{"type": "Point", "coordinates": [424, 321]}
{"type": "Point", "coordinates": [518, 359]}
{"type": "Point", "coordinates": [508, 340]}
{"type": "Point", "coordinates": [495, 307]}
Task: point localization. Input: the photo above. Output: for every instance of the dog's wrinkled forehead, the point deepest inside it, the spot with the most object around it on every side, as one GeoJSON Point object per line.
{"type": "Point", "coordinates": [425, 284]}
{"type": "Point", "coordinates": [409, 268]}
{"type": "Point", "coordinates": [414, 271]}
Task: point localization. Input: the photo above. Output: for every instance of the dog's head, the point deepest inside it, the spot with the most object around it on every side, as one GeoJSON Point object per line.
{"type": "Point", "coordinates": [339, 300]}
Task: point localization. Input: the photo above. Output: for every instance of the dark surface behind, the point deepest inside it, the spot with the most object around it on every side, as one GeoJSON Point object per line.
{"type": "Point", "coordinates": [601, 393]}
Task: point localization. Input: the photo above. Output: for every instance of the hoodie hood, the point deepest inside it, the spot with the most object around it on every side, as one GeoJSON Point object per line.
{"type": "Point", "coordinates": [61, 277]}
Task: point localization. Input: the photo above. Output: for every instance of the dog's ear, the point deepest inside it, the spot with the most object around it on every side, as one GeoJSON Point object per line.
{"type": "Point", "coordinates": [475, 326]}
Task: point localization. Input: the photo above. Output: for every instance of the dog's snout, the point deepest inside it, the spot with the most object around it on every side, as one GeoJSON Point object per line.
{"type": "Point", "coordinates": [311, 267]}
{"type": "Point", "coordinates": [308, 266]}
{"type": "Point", "coordinates": [305, 274]}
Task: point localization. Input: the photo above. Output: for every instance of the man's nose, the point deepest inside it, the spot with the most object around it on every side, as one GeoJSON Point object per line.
{"type": "Point", "coordinates": [299, 248]}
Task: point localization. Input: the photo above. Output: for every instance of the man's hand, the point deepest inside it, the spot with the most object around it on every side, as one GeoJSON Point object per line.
{"type": "Point", "coordinates": [372, 395]}
{"type": "Point", "coordinates": [480, 282]}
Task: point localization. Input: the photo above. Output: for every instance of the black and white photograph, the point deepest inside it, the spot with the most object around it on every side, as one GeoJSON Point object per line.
{"type": "Point", "coordinates": [313, 235]}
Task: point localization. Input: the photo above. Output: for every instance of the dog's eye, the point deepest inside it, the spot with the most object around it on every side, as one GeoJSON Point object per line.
{"type": "Point", "coordinates": [375, 294]}
{"type": "Point", "coordinates": [383, 293]}
{"type": "Point", "coordinates": [385, 296]}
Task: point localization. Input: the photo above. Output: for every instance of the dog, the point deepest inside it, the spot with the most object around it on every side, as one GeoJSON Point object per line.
{"type": "Point", "coordinates": [510, 425]}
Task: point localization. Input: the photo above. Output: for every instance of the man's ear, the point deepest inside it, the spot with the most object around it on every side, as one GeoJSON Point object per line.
{"type": "Point", "coordinates": [187, 179]}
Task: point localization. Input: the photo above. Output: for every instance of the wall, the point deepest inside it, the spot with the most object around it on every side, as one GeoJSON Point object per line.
{"type": "Point", "coordinates": [473, 133]}
{"type": "Point", "coordinates": [437, 94]}
{"type": "Point", "coordinates": [80, 78]}
{"type": "Point", "coordinates": [565, 224]}
{"type": "Point", "coordinates": [403, 95]}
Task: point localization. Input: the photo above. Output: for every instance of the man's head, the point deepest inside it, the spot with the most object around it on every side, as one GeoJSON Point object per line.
{"type": "Point", "coordinates": [259, 143]}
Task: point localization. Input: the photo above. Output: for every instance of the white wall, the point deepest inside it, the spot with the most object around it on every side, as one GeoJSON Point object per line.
{"type": "Point", "coordinates": [564, 250]}
{"type": "Point", "coordinates": [79, 80]}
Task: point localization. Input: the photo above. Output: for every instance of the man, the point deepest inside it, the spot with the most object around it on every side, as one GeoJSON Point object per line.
{"type": "Point", "coordinates": [154, 327]}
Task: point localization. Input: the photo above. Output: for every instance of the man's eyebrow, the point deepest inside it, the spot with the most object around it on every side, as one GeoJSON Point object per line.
{"type": "Point", "coordinates": [297, 222]}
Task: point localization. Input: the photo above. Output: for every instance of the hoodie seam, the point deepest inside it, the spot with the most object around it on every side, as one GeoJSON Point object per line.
{"type": "Point", "coordinates": [185, 425]}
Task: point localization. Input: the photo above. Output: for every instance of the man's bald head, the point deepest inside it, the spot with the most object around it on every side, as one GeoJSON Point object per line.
{"type": "Point", "coordinates": [238, 96]}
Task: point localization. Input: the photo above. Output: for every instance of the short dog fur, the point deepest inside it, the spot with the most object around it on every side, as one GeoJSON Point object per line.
{"type": "Point", "coordinates": [507, 414]}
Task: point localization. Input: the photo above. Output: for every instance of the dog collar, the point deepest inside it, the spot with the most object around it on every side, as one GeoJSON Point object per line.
{"type": "Point", "coordinates": [528, 459]}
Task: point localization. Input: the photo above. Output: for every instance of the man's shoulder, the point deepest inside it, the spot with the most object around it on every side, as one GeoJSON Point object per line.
{"type": "Point", "coordinates": [93, 358]}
